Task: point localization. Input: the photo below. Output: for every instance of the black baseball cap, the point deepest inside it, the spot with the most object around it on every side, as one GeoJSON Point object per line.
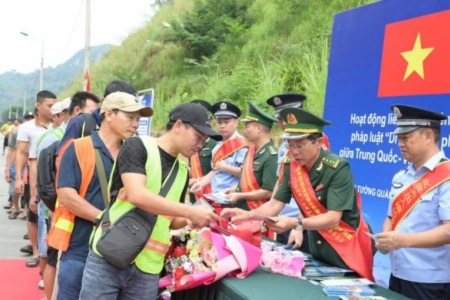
{"type": "Point", "coordinates": [195, 115]}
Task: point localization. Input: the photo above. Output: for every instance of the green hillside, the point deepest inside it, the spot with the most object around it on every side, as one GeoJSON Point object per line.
{"type": "Point", "coordinates": [235, 50]}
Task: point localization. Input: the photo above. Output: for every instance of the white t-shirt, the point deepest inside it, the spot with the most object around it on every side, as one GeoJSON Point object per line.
{"type": "Point", "coordinates": [30, 132]}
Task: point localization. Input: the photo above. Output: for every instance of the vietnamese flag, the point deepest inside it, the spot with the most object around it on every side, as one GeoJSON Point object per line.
{"type": "Point", "coordinates": [416, 57]}
{"type": "Point", "coordinates": [87, 81]}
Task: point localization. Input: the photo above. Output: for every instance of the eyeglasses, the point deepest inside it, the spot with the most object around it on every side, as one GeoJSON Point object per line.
{"type": "Point", "coordinates": [298, 147]}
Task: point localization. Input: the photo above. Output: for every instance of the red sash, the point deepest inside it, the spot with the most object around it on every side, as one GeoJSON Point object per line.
{"type": "Point", "coordinates": [353, 246]}
{"type": "Point", "coordinates": [281, 173]}
{"type": "Point", "coordinates": [249, 183]}
{"type": "Point", "coordinates": [196, 172]}
{"type": "Point", "coordinates": [248, 179]}
{"type": "Point", "coordinates": [326, 142]}
{"type": "Point", "coordinates": [227, 148]}
{"type": "Point", "coordinates": [405, 201]}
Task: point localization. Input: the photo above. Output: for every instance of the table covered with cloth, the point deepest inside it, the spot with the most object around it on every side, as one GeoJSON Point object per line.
{"type": "Point", "coordinates": [265, 285]}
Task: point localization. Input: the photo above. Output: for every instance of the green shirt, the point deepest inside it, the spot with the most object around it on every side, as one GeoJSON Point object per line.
{"type": "Point", "coordinates": [336, 191]}
{"type": "Point", "coordinates": [265, 165]}
{"type": "Point", "coordinates": [205, 155]}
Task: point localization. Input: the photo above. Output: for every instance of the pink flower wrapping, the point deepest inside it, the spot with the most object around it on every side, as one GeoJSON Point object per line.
{"type": "Point", "coordinates": [209, 257]}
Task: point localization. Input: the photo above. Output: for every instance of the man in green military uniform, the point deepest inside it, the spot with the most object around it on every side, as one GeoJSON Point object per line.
{"type": "Point", "coordinates": [259, 171]}
{"type": "Point", "coordinates": [200, 162]}
{"type": "Point", "coordinates": [322, 185]}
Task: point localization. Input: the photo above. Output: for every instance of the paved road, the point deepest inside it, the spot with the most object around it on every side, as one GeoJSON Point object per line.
{"type": "Point", "coordinates": [11, 231]}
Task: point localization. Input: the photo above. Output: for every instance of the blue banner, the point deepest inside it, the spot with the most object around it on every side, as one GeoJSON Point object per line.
{"type": "Point", "coordinates": [371, 69]}
{"type": "Point", "coordinates": [145, 123]}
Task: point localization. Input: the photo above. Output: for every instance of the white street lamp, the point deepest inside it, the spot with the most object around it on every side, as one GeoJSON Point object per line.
{"type": "Point", "coordinates": [41, 77]}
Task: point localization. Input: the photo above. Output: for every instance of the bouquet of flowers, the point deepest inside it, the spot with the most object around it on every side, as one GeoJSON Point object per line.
{"type": "Point", "coordinates": [205, 256]}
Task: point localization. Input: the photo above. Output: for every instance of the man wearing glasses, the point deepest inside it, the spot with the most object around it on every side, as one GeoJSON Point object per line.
{"type": "Point", "coordinates": [322, 185]}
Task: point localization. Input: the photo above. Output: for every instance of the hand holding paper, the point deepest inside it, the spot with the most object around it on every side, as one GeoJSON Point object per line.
{"type": "Point", "coordinates": [263, 218]}
{"type": "Point", "coordinates": [391, 240]}
{"type": "Point", "coordinates": [281, 224]}
{"type": "Point", "coordinates": [372, 236]}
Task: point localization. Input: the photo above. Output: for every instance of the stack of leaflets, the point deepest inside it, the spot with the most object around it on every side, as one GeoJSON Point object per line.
{"type": "Point", "coordinates": [354, 297]}
{"type": "Point", "coordinates": [314, 270]}
{"type": "Point", "coordinates": [348, 287]}
{"type": "Point", "coordinates": [336, 291]}
{"type": "Point", "coordinates": [347, 282]}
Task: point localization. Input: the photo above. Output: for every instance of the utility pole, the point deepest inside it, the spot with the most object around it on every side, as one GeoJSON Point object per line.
{"type": "Point", "coordinates": [87, 48]}
{"type": "Point", "coordinates": [41, 75]}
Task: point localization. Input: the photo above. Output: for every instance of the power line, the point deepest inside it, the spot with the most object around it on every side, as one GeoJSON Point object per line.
{"type": "Point", "coordinates": [74, 27]}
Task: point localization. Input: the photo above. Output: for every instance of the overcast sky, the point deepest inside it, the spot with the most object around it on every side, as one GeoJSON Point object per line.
{"type": "Point", "coordinates": [61, 25]}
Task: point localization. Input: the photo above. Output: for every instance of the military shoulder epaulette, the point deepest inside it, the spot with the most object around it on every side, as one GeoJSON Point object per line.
{"type": "Point", "coordinates": [273, 150]}
{"type": "Point", "coordinates": [331, 161]}
{"type": "Point", "coordinates": [287, 159]}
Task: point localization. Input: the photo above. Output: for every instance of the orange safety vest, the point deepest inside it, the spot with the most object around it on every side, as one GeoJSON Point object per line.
{"type": "Point", "coordinates": [64, 219]}
{"type": "Point", "coordinates": [353, 245]}
{"type": "Point", "coordinates": [405, 201]}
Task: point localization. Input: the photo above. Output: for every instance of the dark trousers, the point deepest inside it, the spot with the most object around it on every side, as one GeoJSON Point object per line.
{"type": "Point", "coordinates": [420, 291]}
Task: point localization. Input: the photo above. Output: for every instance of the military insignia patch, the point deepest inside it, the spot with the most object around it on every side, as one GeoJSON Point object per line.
{"type": "Point", "coordinates": [397, 185]}
{"type": "Point", "coordinates": [319, 167]}
{"type": "Point", "coordinates": [223, 106]}
{"type": "Point", "coordinates": [291, 119]}
{"type": "Point", "coordinates": [273, 150]}
{"type": "Point", "coordinates": [331, 162]}
{"type": "Point", "coordinates": [397, 112]}
{"type": "Point", "coordinates": [287, 159]}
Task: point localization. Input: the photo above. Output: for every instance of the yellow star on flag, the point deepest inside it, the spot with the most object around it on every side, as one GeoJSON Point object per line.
{"type": "Point", "coordinates": [415, 58]}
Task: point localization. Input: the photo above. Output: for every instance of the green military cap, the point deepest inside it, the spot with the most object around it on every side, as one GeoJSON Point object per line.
{"type": "Point", "coordinates": [255, 114]}
{"type": "Point", "coordinates": [203, 103]}
{"type": "Point", "coordinates": [301, 123]}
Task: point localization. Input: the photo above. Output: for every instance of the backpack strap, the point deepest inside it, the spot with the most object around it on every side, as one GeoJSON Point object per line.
{"type": "Point", "coordinates": [89, 124]}
{"type": "Point", "coordinates": [102, 176]}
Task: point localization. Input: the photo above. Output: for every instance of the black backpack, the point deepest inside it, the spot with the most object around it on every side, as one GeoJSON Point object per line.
{"type": "Point", "coordinates": [89, 124]}
{"type": "Point", "coordinates": [46, 175]}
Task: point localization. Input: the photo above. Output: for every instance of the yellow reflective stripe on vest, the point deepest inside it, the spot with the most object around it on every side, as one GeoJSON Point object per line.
{"type": "Point", "coordinates": [122, 196]}
{"type": "Point", "coordinates": [64, 224]}
{"type": "Point", "coordinates": [156, 246]}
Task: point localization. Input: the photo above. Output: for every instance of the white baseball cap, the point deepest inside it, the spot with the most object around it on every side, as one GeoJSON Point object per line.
{"type": "Point", "coordinates": [56, 108]}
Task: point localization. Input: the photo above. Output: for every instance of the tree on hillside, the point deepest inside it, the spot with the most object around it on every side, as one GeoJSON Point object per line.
{"type": "Point", "coordinates": [204, 29]}
{"type": "Point", "coordinates": [159, 3]}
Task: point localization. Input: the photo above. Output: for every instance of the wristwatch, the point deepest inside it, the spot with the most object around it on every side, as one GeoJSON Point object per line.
{"type": "Point", "coordinates": [299, 226]}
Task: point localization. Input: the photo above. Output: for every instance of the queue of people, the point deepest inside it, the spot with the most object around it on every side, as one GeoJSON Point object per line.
{"type": "Point", "coordinates": [147, 179]}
